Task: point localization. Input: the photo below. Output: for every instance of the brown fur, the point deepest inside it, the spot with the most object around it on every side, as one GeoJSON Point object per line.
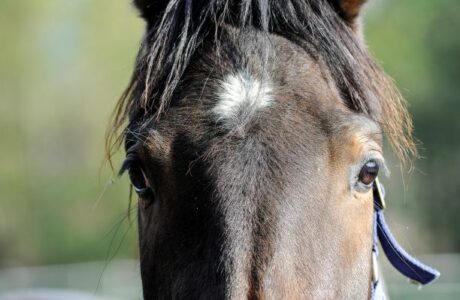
{"type": "Point", "coordinates": [268, 208]}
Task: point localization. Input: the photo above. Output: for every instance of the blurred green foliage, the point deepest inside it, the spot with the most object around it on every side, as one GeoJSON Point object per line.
{"type": "Point", "coordinates": [63, 65]}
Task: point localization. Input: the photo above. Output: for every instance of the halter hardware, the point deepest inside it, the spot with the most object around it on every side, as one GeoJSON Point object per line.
{"type": "Point", "coordinates": [379, 194]}
{"type": "Point", "coordinates": [402, 261]}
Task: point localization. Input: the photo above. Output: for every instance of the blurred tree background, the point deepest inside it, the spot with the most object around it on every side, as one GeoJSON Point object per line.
{"type": "Point", "coordinates": [63, 65]}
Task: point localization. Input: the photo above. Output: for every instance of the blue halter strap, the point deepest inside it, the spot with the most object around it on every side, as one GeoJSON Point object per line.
{"type": "Point", "coordinates": [398, 257]}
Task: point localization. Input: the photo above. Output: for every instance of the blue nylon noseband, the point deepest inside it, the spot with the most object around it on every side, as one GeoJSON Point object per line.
{"type": "Point", "coordinates": [398, 257]}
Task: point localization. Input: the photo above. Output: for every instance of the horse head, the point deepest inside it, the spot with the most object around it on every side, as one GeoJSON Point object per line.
{"type": "Point", "coordinates": [254, 139]}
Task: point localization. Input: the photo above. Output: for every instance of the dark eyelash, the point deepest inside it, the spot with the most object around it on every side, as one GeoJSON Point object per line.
{"type": "Point", "coordinates": [126, 165]}
{"type": "Point", "coordinates": [131, 159]}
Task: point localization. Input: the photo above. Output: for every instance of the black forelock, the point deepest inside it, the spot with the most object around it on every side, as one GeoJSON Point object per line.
{"type": "Point", "coordinates": [177, 28]}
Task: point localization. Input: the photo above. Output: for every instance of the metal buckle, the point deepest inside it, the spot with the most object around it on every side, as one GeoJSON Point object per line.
{"type": "Point", "coordinates": [378, 194]}
{"type": "Point", "coordinates": [375, 267]}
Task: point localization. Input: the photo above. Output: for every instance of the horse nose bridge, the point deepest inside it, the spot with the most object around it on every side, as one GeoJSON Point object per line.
{"type": "Point", "coordinates": [247, 190]}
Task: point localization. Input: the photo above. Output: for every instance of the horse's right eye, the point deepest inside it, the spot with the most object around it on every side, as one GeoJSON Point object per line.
{"type": "Point", "coordinates": [368, 173]}
{"type": "Point", "coordinates": [139, 180]}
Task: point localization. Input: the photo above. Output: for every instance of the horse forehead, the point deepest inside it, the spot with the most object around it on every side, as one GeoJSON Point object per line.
{"type": "Point", "coordinates": [274, 91]}
{"type": "Point", "coordinates": [295, 98]}
{"type": "Point", "coordinates": [240, 96]}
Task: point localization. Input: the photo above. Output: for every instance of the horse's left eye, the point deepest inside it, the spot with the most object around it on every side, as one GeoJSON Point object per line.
{"type": "Point", "coordinates": [369, 173]}
{"type": "Point", "coordinates": [139, 180]}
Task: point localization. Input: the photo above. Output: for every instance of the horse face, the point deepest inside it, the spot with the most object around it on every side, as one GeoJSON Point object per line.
{"type": "Point", "coordinates": [253, 149]}
{"type": "Point", "coordinates": [258, 181]}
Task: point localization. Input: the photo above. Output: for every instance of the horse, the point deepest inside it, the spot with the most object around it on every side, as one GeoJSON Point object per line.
{"type": "Point", "coordinates": [253, 132]}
